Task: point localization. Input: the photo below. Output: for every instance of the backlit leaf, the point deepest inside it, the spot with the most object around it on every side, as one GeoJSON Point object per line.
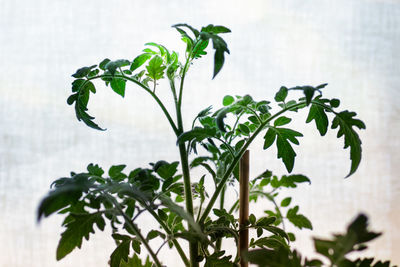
{"type": "Point", "coordinates": [121, 253]}
{"type": "Point", "coordinates": [345, 122]}
{"type": "Point", "coordinates": [139, 61]}
{"type": "Point", "coordinates": [118, 86]}
{"type": "Point", "coordinates": [79, 228]}
{"type": "Point", "coordinates": [155, 69]}
{"type": "Point", "coordinates": [285, 150]}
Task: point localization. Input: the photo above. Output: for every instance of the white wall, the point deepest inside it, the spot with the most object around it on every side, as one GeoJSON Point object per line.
{"type": "Point", "coordinates": [352, 45]}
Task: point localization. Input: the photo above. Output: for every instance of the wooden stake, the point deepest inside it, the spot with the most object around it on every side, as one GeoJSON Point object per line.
{"type": "Point", "coordinates": [243, 206]}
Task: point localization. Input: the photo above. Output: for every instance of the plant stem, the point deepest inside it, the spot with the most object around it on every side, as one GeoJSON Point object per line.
{"type": "Point", "coordinates": [237, 158]}
{"type": "Point", "coordinates": [174, 241]}
{"type": "Point", "coordinates": [147, 89]}
{"type": "Point", "coordinates": [135, 230]}
{"type": "Point", "coordinates": [221, 206]}
{"type": "Point", "coordinates": [193, 245]}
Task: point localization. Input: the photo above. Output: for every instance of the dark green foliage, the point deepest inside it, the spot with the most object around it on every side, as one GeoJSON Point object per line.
{"type": "Point", "coordinates": [121, 252]}
{"type": "Point", "coordinates": [317, 113]}
{"type": "Point", "coordinates": [82, 72]}
{"type": "Point", "coordinates": [298, 220]}
{"type": "Point", "coordinates": [135, 261]}
{"type": "Point", "coordinates": [357, 234]}
{"type": "Point", "coordinates": [281, 95]}
{"type": "Point", "coordinates": [218, 259]}
{"type": "Point", "coordinates": [345, 122]}
{"type": "Point", "coordinates": [218, 139]}
{"type": "Point", "coordinates": [285, 150]}
{"type": "Point", "coordinates": [280, 257]}
{"type": "Point", "coordinates": [80, 226]}
{"type": "Point", "coordinates": [335, 250]}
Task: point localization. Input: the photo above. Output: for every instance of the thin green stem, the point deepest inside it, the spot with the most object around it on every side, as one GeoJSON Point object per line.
{"type": "Point", "coordinates": [147, 89]}
{"type": "Point", "coordinates": [228, 146]}
{"type": "Point", "coordinates": [270, 198]}
{"type": "Point", "coordinates": [255, 114]}
{"type": "Point", "coordinates": [237, 158]}
{"type": "Point", "coordinates": [184, 71]}
{"type": "Point", "coordinates": [135, 230]}
{"type": "Point", "coordinates": [234, 126]}
{"type": "Point", "coordinates": [221, 206]}
{"type": "Point", "coordinates": [193, 245]}
{"type": "Point", "coordinates": [174, 241]}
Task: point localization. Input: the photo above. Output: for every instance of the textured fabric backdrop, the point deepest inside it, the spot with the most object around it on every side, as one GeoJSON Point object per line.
{"type": "Point", "coordinates": [352, 45]}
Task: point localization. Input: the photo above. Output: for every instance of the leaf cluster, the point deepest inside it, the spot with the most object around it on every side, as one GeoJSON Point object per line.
{"type": "Point", "coordinates": [335, 250]}
{"type": "Point", "coordinates": [216, 141]}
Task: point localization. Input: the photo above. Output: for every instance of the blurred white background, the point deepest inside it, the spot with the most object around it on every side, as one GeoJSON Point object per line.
{"type": "Point", "coordinates": [352, 45]}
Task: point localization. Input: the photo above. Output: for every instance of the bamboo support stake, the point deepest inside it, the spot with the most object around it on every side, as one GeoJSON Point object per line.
{"type": "Point", "coordinates": [243, 206]}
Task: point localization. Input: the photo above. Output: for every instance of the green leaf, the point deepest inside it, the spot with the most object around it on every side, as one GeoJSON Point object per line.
{"type": "Point", "coordinates": [151, 235]}
{"type": "Point", "coordinates": [286, 202]}
{"type": "Point", "coordinates": [285, 150]}
{"type": "Point", "coordinates": [167, 170]}
{"type": "Point", "coordinates": [269, 138]}
{"type": "Point", "coordinates": [198, 134]}
{"type": "Point", "coordinates": [228, 100]}
{"type": "Point", "coordinates": [318, 114]}
{"type": "Point", "coordinates": [199, 49]}
{"type": "Point", "coordinates": [72, 98]}
{"type": "Point", "coordinates": [298, 220]}
{"type": "Point", "coordinates": [113, 65]}
{"type": "Point", "coordinates": [121, 253]}
{"type": "Point", "coordinates": [244, 129]}
{"type": "Point", "coordinates": [67, 192]}
{"type": "Point", "coordinates": [195, 32]}
{"type": "Point", "coordinates": [278, 257]}
{"type": "Point", "coordinates": [204, 112]}
{"type": "Point", "coordinates": [282, 121]}
{"type": "Point", "coordinates": [80, 227]}
{"type": "Point", "coordinates": [345, 121]}
{"type": "Point", "coordinates": [264, 221]}
{"type": "Point", "coordinates": [217, 259]}
{"type": "Point", "coordinates": [178, 210]}
{"type": "Point", "coordinates": [355, 237]}
{"type": "Point", "coordinates": [82, 72]}
{"type": "Point", "coordinates": [334, 102]}
{"type": "Point", "coordinates": [103, 63]}
{"type": "Point", "coordinates": [215, 29]}
{"type": "Point", "coordinates": [281, 95]}
{"type": "Point", "coordinates": [118, 86]}
{"type": "Point", "coordinates": [252, 219]}
{"type": "Point", "coordinates": [219, 119]}
{"type": "Point", "coordinates": [93, 73]}
{"type": "Point", "coordinates": [115, 172]}
{"type": "Point", "coordinates": [219, 57]}
{"type": "Point", "coordinates": [95, 170]}
{"type": "Point", "coordinates": [220, 47]}
{"type": "Point", "coordinates": [309, 91]}
{"type": "Point", "coordinates": [292, 237]}
{"type": "Point", "coordinates": [291, 180]}
{"type": "Point", "coordinates": [76, 84]}
{"type": "Point", "coordinates": [139, 61]}
{"type": "Point", "coordinates": [277, 231]}
{"type": "Point", "coordinates": [136, 245]}
{"type": "Point", "coordinates": [135, 261]}
{"type": "Point", "coordinates": [155, 69]}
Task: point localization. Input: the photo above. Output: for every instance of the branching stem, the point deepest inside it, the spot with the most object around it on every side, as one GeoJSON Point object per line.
{"type": "Point", "coordinates": [237, 158]}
